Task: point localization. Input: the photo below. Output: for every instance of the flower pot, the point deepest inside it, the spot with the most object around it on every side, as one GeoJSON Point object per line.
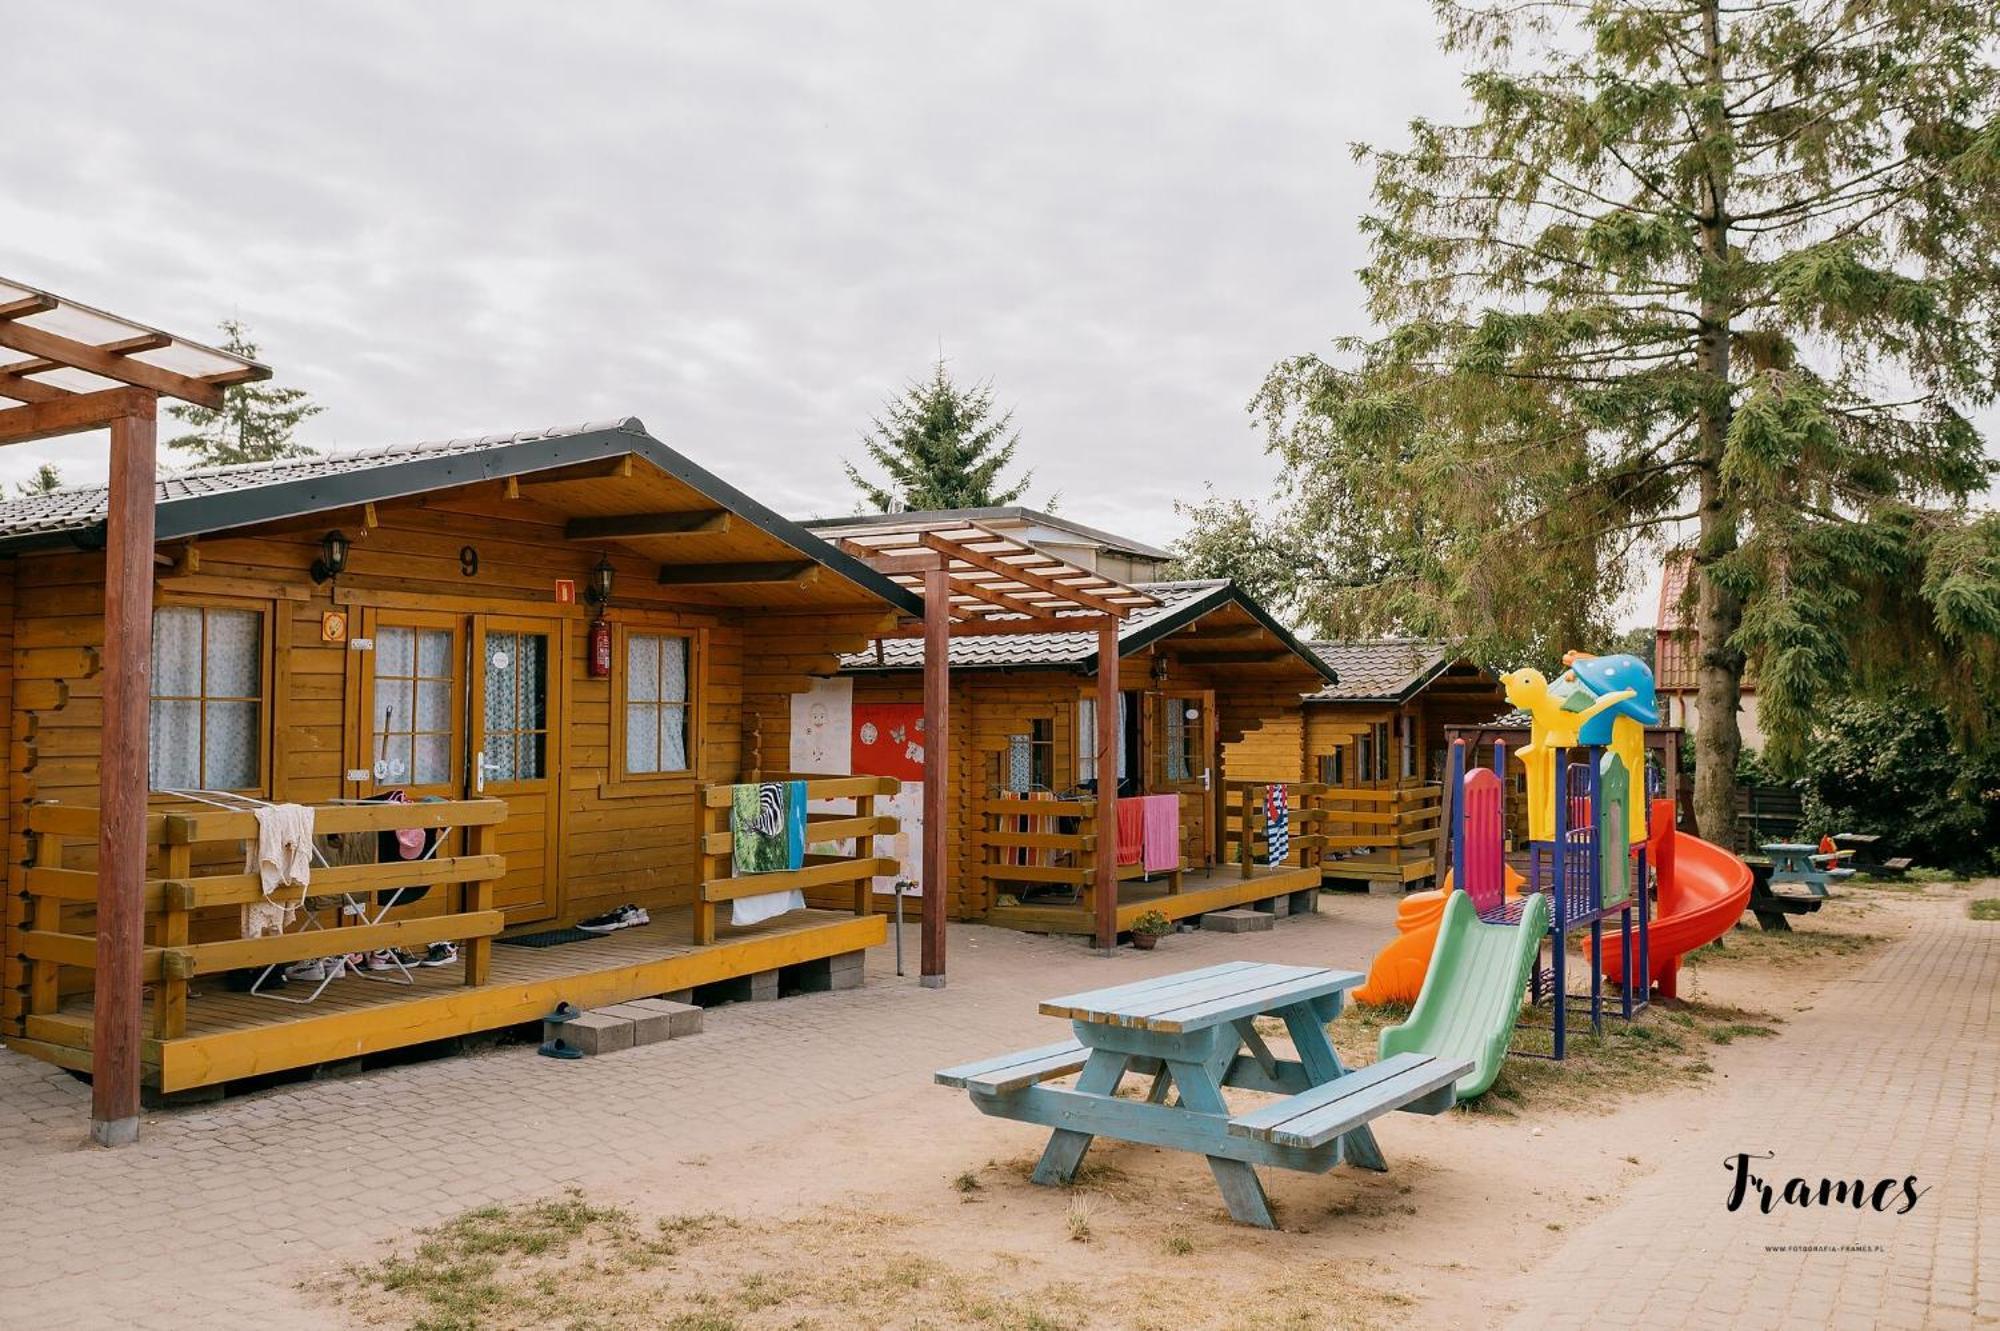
{"type": "Point", "coordinates": [1145, 942]}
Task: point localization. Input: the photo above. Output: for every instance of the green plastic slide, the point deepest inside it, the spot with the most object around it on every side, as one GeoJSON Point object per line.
{"type": "Point", "coordinates": [1473, 992]}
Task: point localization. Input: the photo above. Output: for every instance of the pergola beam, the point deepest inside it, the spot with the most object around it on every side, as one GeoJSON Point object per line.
{"type": "Point", "coordinates": [1026, 577]}
{"type": "Point", "coordinates": [72, 412]}
{"type": "Point", "coordinates": [1001, 628]}
{"type": "Point", "coordinates": [35, 303]}
{"type": "Point", "coordinates": [1013, 605]}
{"type": "Point", "coordinates": [110, 364]}
{"type": "Point", "coordinates": [691, 522]}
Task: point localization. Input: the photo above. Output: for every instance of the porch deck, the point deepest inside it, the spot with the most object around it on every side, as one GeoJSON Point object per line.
{"type": "Point", "coordinates": [230, 1035]}
{"type": "Point", "coordinates": [1202, 890]}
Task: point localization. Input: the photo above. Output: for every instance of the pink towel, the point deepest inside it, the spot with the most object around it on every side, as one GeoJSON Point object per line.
{"type": "Point", "coordinates": [1163, 832]}
{"type": "Point", "coordinates": [1131, 830]}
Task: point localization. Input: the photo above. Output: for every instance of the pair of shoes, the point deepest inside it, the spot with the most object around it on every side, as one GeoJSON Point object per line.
{"type": "Point", "coordinates": [317, 969]}
{"type": "Point", "coordinates": [438, 954]}
{"type": "Point", "coordinates": [387, 959]}
{"type": "Point", "coordinates": [611, 921]}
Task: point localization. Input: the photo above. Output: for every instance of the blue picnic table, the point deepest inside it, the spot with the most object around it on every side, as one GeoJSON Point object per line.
{"type": "Point", "coordinates": [1194, 1034]}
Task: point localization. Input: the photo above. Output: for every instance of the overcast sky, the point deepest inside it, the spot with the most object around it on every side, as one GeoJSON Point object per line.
{"type": "Point", "coordinates": [745, 224]}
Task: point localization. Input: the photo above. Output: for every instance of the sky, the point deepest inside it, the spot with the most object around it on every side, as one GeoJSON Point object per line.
{"type": "Point", "coordinates": [745, 224]}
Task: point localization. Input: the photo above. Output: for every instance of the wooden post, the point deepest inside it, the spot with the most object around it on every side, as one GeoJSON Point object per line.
{"type": "Point", "coordinates": [1245, 852]}
{"type": "Point", "coordinates": [1106, 902]}
{"type": "Point", "coordinates": [121, 780]}
{"type": "Point", "coordinates": [170, 996]}
{"type": "Point", "coordinates": [483, 839]}
{"type": "Point", "coordinates": [937, 767]}
{"type": "Point", "coordinates": [708, 820]}
{"type": "Point", "coordinates": [864, 848]}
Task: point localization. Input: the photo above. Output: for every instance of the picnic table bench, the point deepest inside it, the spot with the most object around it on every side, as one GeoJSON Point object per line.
{"type": "Point", "coordinates": [1868, 856]}
{"type": "Point", "coordinates": [1793, 881]}
{"type": "Point", "coordinates": [1193, 1034]}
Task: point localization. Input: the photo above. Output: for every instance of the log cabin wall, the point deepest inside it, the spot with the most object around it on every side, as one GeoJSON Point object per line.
{"type": "Point", "coordinates": [611, 839]}
{"type": "Point", "coordinates": [988, 707]}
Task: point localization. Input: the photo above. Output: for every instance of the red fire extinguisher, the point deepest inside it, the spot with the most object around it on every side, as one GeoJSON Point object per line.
{"type": "Point", "coordinates": [600, 649]}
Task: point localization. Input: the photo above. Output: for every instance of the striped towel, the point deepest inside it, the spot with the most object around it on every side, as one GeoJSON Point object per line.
{"type": "Point", "coordinates": [1277, 826]}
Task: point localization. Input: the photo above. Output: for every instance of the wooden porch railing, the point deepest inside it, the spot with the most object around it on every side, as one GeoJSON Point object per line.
{"type": "Point", "coordinates": [185, 883]}
{"type": "Point", "coordinates": [1246, 823]}
{"type": "Point", "coordinates": [1402, 824]}
{"type": "Point", "coordinates": [852, 874]}
{"type": "Point", "coordinates": [1056, 858]}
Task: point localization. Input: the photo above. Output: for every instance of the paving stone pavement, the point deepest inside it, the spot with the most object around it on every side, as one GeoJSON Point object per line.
{"type": "Point", "coordinates": [1891, 1072]}
{"type": "Point", "coordinates": [210, 1220]}
{"type": "Point", "coordinates": [213, 1217]}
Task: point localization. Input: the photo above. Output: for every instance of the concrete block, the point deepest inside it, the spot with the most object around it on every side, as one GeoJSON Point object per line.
{"type": "Point", "coordinates": [682, 1018]}
{"type": "Point", "coordinates": [1238, 921]}
{"type": "Point", "coordinates": [597, 1033]}
{"type": "Point", "coordinates": [1276, 907]}
{"type": "Point", "coordinates": [1306, 902]}
{"type": "Point", "coordinates": [763, 987]}
{"type": "Point", "coordinates": [683, 996]}
{"type": "Point", "coordinates": [1378, 888]}
{"type": "Point", "coordinates": [648, 1026]}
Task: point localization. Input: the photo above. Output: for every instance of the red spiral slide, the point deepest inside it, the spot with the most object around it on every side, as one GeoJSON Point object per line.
{"type": "Point", "coordinates": [1703, 891]}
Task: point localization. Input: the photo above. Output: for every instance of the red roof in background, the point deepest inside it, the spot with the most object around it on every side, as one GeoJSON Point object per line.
{"type": "Point", "coordinates": [1676, 647]}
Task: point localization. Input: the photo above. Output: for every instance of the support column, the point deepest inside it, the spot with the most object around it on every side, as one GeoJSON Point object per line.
{"type": "Point", "coordinates": [1107, 786]}
{"type": "Point", "coordinates": [937, 768]}
{"type": "Point", "coordinates": [121, 790]}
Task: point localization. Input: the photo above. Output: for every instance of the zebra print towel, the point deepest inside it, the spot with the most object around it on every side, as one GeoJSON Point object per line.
{"type": "Point", "coordinates": [767, 827]}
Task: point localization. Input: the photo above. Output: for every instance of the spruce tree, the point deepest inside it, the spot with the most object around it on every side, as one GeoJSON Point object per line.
{"type": "Point", "coordinates": [1721, 275]}
{"type": "Point", "coordinates": [942, 448]}
{"type": "Point", "coordinates": [255, 423]}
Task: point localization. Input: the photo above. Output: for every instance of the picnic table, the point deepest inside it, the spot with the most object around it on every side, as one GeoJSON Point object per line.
{"type": "Point", "coordinates": [1795, 883]}
{"type": "Point", "coordinates": [1193, 1034]}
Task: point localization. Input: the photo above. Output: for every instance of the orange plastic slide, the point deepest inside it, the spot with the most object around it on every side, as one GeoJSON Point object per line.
{"type": "Point", "coordinates": [1397, 973]}
{"type": "Point", "coordinates": [1703, 892]}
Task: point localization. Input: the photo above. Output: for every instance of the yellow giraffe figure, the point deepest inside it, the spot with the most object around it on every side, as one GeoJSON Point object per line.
{"type": "Point", "coordinates": [1551, 726]}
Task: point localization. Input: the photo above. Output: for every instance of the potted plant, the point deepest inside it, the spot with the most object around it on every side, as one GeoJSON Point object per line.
{"type": "Point", "coordinates": [1147, 929]}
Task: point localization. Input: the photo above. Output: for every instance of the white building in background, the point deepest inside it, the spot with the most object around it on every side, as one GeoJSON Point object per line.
{"type": "Point", "coordinates": [1677, 651]}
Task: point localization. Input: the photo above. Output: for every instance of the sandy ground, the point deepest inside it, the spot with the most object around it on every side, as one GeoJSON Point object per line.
{"type": "Point", "coordinates": [1471, 1207]}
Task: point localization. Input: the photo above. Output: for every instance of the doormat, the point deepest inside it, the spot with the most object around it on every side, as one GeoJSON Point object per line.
{"type": "Point", "coordinates": [549, 938]}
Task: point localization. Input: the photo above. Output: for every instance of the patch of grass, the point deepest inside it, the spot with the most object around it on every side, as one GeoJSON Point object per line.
{"type": "Point", "coordinates": [1078, 1219]}
{"type": "Point", "coordinates": [1177, 1244]}
{"type": "Point", "coordinates": [967, 1182]}
{"type": "Point", "coordinates": [1984, 908]}
{"type": "Point", "coordinates": [1736, 1030]}
{"type": "Point", "coordinates": [1747, 945]}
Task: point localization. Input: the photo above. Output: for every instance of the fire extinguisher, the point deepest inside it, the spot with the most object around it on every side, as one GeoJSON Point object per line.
{"type": "Point", "coordinates": [600, 649]}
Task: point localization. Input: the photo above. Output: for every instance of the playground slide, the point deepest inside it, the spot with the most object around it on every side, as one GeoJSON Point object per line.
{"type": "Point", "coordinates": [1473, 994]}
{"type": "Point", "coordinates": [1703, 892]}
{"type": "Point", "coordinates": [1397, 973]}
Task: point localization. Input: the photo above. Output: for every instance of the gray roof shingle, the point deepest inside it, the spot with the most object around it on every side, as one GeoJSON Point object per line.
{"type": "Point", "coordinates": [1380, 669]}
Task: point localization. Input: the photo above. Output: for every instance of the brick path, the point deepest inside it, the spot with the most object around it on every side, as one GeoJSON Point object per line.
{"type": "Point", "coordinates": [1895, 1071]}
{"type": "Point", "coordinates": [211, 1219]}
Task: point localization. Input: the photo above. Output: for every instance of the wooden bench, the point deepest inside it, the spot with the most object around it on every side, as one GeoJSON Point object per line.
{"type": "Point", "coordinates": [1007, 1073]}
{"type": "Point", "coordinates": [1417, 1083]}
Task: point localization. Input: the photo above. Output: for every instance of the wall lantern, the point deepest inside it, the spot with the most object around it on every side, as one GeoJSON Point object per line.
{"type": "Point", "coordinates": [332, 561]}
{"type": "Point", "coordinates": [1159, 668]}
{"type": "Point", "coordinates": [598, 593]}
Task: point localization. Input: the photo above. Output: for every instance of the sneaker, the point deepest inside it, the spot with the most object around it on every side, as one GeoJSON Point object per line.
{"type": "Point", "coordinates": [406, 957]}
{"type": "Point", "coordinates": [438, 954]}
{"type": "Point", "coordinates": [380, 960]}
{"type": "Point", "coordinates": [611, 921]}
{"type": "Point", "coordinates": [317, 969]}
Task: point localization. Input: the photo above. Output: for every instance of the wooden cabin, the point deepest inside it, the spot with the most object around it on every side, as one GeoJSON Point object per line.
{"type": "Point", "coordinates": [1199, 673]}
{"type": "Point", "coordinates": [1372, 746]}
{"type": "Point", "coordinates": [424, 620]}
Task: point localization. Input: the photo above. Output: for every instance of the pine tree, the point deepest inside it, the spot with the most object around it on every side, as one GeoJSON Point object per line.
{"type": "Point", "coordinates": [256, 420]}
{"type": "Point", "coordinates": [47, 478]}
{"type": "Point", "coordinates": [1724, 274]}
{"type": "Point", "coordinates": [942, 449]}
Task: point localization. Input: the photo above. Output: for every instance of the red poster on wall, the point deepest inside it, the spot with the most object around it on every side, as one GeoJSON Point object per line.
{"type": "Point", "coordinates": [889, 740]}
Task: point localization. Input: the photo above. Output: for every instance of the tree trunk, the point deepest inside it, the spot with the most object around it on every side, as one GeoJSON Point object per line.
{"type": "Point", "coordinates": [1719, 613]}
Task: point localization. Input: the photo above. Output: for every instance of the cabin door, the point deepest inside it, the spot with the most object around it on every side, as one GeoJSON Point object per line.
{"type": "Point", "coordinates": [514, 698]}
{"type": "Point", "coordinates": [1187, 766]}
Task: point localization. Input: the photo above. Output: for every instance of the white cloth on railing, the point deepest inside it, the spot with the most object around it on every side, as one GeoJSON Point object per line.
{"type": "Point", "coordinates": [281, 857]}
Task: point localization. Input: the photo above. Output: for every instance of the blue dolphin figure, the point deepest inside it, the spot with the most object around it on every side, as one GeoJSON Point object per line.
{"type": "Point", "coordinates": [1609, 674]}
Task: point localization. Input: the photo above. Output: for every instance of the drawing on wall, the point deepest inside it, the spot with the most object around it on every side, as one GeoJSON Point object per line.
{"type": "Point", "coordinates": [823, 727]}
{"type": "Point", "coordinates": [907, 845]}
{"type": "Point", "coordinates": [889, 741]}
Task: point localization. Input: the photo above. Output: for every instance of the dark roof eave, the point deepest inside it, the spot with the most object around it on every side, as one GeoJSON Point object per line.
{"type": "Point", "coordinates": [198, 515]}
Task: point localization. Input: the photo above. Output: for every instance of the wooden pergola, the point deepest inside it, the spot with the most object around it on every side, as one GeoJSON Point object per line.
{"type": "Point", "coordinates": [976, 582]}
{"type": "Point", "coordinates": [85, 369]}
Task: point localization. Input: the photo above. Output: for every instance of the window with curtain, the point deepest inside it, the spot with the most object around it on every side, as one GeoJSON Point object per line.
{"type": "Point", "coordinates": [1031, 758]}
{"type": "Point", "coordinates": [206, 713]}
{"type": "Point", "coordinates": [658, 705]}
{"type": "Point", "coordinates": [411, 713]}
{"type": "Point", "coordinates": [1086, 740]}
{"type": "Point", "coordinates": [517, 698]}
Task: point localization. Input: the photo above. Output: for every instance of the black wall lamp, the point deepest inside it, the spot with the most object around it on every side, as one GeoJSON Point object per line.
{"type": "Point", "coordinates": [598, 592]}
{"type": "Point", "coordinates": [332, 561]}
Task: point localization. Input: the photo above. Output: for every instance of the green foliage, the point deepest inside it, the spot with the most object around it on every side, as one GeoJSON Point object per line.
{"type": "Point", "coordinates": [1153, 922]}
{"type": "Point", "coordinates": [1891, 767]}
{"type": "Point", "coordinates": [47, 478]}
{"type": "Point", "coordinates": [942, 448]}
{"type": "Point", "coordinates": [256, 421]}
{"type": "Point", "coordinates": [1230, 538]}
{"type": "Point", "coordinates": [1724, 276]}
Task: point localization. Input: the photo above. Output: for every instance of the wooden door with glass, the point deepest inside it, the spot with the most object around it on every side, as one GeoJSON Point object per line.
{"type": "Point", "coordinates": [1186, 766]}
{"type": "Point", "coordinates": [462, 706]}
